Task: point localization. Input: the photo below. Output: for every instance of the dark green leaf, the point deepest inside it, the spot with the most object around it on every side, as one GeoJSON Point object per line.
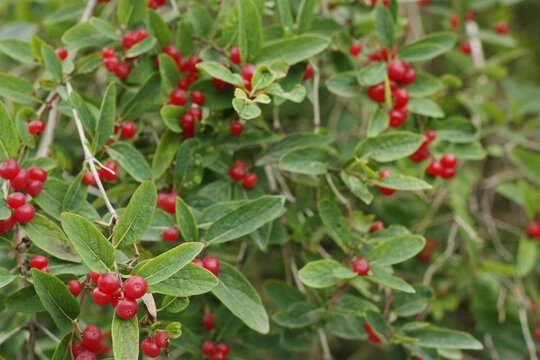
{"type": "Point", "coordinates": [390, 146]}
{"type": "Point", "coordinates": [52, 62]}
{"type": "Point", "coordinates": [186, 221]}
{"type": "Point", "coordinates": [76, 195]}
{"type": "Point", "coordinates": [218, 71]}
{"type": "Point", "coordinates": [159, 29]}
{"type": "Point", "coordinates": [83, 35]}
{"type": "Point", "coordinates": [131, 160]}
{"type": "Point", "coordinates": [143, 99]}
{"type": "Point", "coordinates": [298, 315]}
{"type": "Point", "coordinates": [191, 280]}
{"type": "Point", "coordinates": [335, 223]}
{"type": "Point", "coordinates": [200, 19]}
{"type": "Point", "coordinates": [131, 11]}
{"type": "Point", "coordinates": [165, 152]}
{"type": "Point", "coordinates": [106, 118]}
{"type": "Point", "coordinates": [319, 274]}
{"type": "Point", "coordinates": [15, 88]}
{"type": "Point", "coordinates": [357, 187]}
{"type": "Point", "coordinates": [435, 337]}
{"type": "Point", "coordinates": [425, 107]}
{"type": "Point", "coordinates": [189, 169]}
{"type": "Point", "coordinates": [305, 16]}
{"type": "Point", "coordinates": [17, 50]}
{"type": "Point", "coordinates": [428, 47]}
{"type": "Point", "coordinates": [293, 50]}
{"type": "Point", "coordinates": [250, 36]}
{"type": "Point", "coordinates": [385, 26]}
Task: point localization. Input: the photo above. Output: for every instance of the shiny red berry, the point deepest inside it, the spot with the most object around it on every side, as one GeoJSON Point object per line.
{"type": "Point", "coordinates": [178, 97]}
{"type": "Point", "coordinates": [361, 266]}
{"type": "Point", "coordinates": [208, 348]}
{"type": "Point", "coordinates": [308, 73]}
{"type": "Point", "coordinates": [237, 173]}
{"type": "Point", "coordinates": [396, 70]}
{"type": "Point", "coordinates": [24, 214]}
{"type": "Point", "coordinates": [197, 262]}
{"type": "Point", "coordinates": [126, 308]}
{"type": "Point", "coordinates": [91, 338]}
{"type": "Point", "coordinates": [6, 225]}
{"type": "Point", "coordinates": [376, 226]}
{"type": "Point", "coordinates": [37, 173]}
{"type": "Point", "coordinates": [9, 169]}
{"type": "Point", "coordinates": [355, 48]}
{"type": "Point", "coordinates": [397, 116]}
{"type": "Point", "coordinates": [409, 77]}
{"type": "Point", "coordinates": [220, 84]}
{"type": "Point", "coordinates": [466, 48]}
{"type": "Point", "coordinates": [38, 262]}
{"type": "Point", "coordinates": [88, 178]}
{"type": "Point", "coordinates": [111, 63]}
{"type": "Point", "coordinates": [377, 93]}
{"type": "Point", "coordinates": [128, 129]}
{"type": "Point", "coordinates": [448, 173]}
{"type": "Point", "coordinates": [16, 200]}
{"type": "Point", "coordinates": [211, 264]}
{"type": "Point", "coordinates": [197, 97]}
{"type": "Point", "coordinates": [167, 202]}
{"type": "Point", "coordinates": [234, 55]}
{"type": "Point", "coordinates": [150, 348]}
{"type": "Point", "coordinates": [34, 187]}
{"type": "Point", "coordinates": [171, 234]}
{"type": "Point", "coordinates": [250, 180]}
{"type": "Point", "coordinates": [434, 168]}
{"type": "Point", "coordinates": [112, 173]}
{"type": "Point", "coordinates": [107, 52]}
{"type": "Point", "coordinates": [454, 21]}
{"type": "Point", "coordinates": [62, 53]}
{"type": "Point", "coordinates": [135, 287]}
{"type": "Point", "coordinates": [247, 71]}
{"type": "Point", "coordinates": [449, 161]}
{"type": "Point", "coordinates": [400, 97]}
{"type": "Point", "coordinates": [94, 277]}
{"type": "Point", "coordinates": [501, 27]}
{"type": "Point", "coordinates": [162, 339]}
{"type": "Point", "coordinates": [20, 181]}
{"type": "Point", "coordinates": [533, 231]}
{"type": "Point", "coordinates": [172, 52]}
{"type": "Point", "coordinates": [123, 70]}
{"type": "Point", "coordinates": [35, 127]}
{"type": "Point", "coordinates": [209, 321]}
{"type": "Point", "coordinates": [108, 283]}
{"type": "Point", "coordinates": [101, 298]}
{"type": "Point", "coordinates": [237, 128]}
{"type": "Point", "coordinates": [86, 355]}
{"type": "Point", "coordinates": [196, 112]}
{"type": "Point", "coordinates": [74, 287]}
{"type": "Point", "coordinates": [223, 349]}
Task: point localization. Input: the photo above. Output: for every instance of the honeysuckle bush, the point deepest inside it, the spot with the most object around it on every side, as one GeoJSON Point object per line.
{"type": "Point", "coordinates": [266, 179]}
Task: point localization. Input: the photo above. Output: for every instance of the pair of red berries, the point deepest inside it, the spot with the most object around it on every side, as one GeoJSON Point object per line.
{"type": "Point", "coordinates": [23, 212]}
{"type": "Point", "coordinates": [372, 336]}
{"type": "Point", "coordinates": [36, 127]}
{"type": "Point", "coordinates": [238, 173]}
{"type": "Point", "coordinates": [427, 252]}
{"type": "Point", "coordinates": [187, 121]}
{"type": "Point", "coordinates": [90, 344]}
{"type": "Point", "coordinates": [215, 351]}
{"type": "Point", "coordinates": [383, 190]}
{"type": "Point", "coordinates": [445, 167]}
{"type": "Point", "coordinates": [533, 230]}
{"type": "Point", "coordinates": [152, 4]}
{"type": "Point", "coordinates": [361, 266]}
{"type": "Point", "coordinates": [151, 347]}
{"type": "Point", "coordinates": [423, 151]}
{"type": "Point", "coordinates": [122, 69]}
{"type": "Point", "coordinates": [171, 234]}
{"type": "Point", "coordinates": [179, 97]}
{"type": "Point", "coordinates": [210, 263]}
{"type": "Point", "coordinates": [184, 64]}
{"type": "Point", "coordinates": [30, 180]}
{"type": "Point", "coordinates": [109, 290]}
{"type": "Point", "coordinates": [109, 173]}
{"type": "Point", "coordinates": [384, 54]}
{"type": "Point", "coordinates": [39, 262]}
{"type": "Point", "coordinates": [384, 2]}
{"type": "Point", "coordinates": [167, 202]}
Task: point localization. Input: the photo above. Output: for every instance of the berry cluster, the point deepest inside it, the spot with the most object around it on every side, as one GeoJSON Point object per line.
{"type": "Point", "coordinates": [427, 252]}
{"type": "Point", "coordinates": [108, 173]}
{"type": "Point", "coordinates": [533, 230]}
{"type": "Point", "coordinates": [423, 151]}
{"type": "Point", "coordinates": [167, 202]}
{"type": "Point", "coordinates": [372, 336]}
{"type": "Point", "coordinates": [91, 343]}
{"type": "Point", "coordinates": [238, 173]}
{"type": "Point", "coordinates": [151, 347]}
{"type": "Point", "coordinates": [445, 167]}
{"type": "Point", "coordinates": [211, 349]}
{"type": "Point", "coordinates": [39, 262]}
{"type": "Point", "coordinates": [361, 266]}
{"type": "Point", "coordinates": [210, 263]}
{"type": "Point", "coordinates": [109, 290]}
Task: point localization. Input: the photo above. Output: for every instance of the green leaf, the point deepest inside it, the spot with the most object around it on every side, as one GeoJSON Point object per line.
{"type": "Point", "coordinates": [527, 161]}
{"type": "Point", "coordinates": [170, 116]}
{"type": "Point", "coordinates": [5, 277]}
{"type": "Point", "coordinates": [52, 62]}
{"type": "Point", "coordinates": [138, 215]}
{"type": "Point", "coordinates": [425, 85]}
{"type": "Point", "coordinates": [456, 129]}
{"type": "Point", "coordinates": [131, 11]}
{"type": "Point", "coordinates": [402, 182]}
{"type": "Point", "coordinates": [320, 273]}
{"type": "Point", "coordinates": [238, 295]}
{"type": "Point", "coordinates": [106, 118]}
{"type": "Point", "coordinates": [469, 151]}
{"type": "Point", "coordinates": [167, 264]}
{"type": "Point", "coordinates": [357, 187]}
{"type": "Point", "coordinates": [84, 35]}
{"type": "Point", "coordinates": [306, 13]}
{"type": "Point", "coordinates": [372, 74]}
{"type": "Point", "coordinates": [219, 71]}
{"type": "Point", "coordinates": [49, 237]}
{"type": "Point", "coordinates": [184, 37]}
{"type": "Point", "coordinates": [5, 211]}
{"type": "Point", "coordinates": [290, 143]}
{"type": "Point", "coordinates": [76, 195]}
{"type": "Point", "coordinates": [200, 19]}
{"type": "Point", "coordinates": [93, 248]}
{"type": "Point", "coordinates": [385, 26]}
{"type": "Point", "coordinates": [246, 109]}
{"type": "Point", "coordinates": [15, 88]}
{"type": "Point", "coordinates": [428, 47]}
{"type": "Point", "coordinates": [282, 294]}
{"type": "Point", "coordinates": [56, 299]}
{"type": "Point", "coordinates": [105, 28]}
{"type": "Point", "coordinates": [169, 72]}
{"type": "Point", "coordinates": [189, 169]}
{"type": "Point", "coordinates": [439, 338]}
{"type": "Point", "coordinates": [526, 256]}
{"type": "Point", "coordinates": [186, 221]}
{"type": "Point", "coordinates": [86, 115]}
{"type": "Point", "coordinates": [389, 147]}
{"type": "Point", "coordinates": [25, 301]}
{"type": "Point", "coordinates": [285, 14]}
{"type": "Point", "coordinates": [297, 94]}
{"type": "Point", "coordinates": [9, 140]}
{"type": "Point", "coordinates": [308, 161]}
{"type": "Point", "coordinates": [407, 304]}
{"type": "Point", "coordinates": [293, 50]}
{"type": "Point", "coordinates": [378, 122]}
{"type": "Point", "coordinates": [396, 283]}
{"type": "Point", "coordinates": [245, 219]}
{"type": "Point", "coordinates": [344, 84]}
{"type": "Point", "coordinates": [250, 35]}
{"type": "Point", "coordinates": [143, 99]}
{"type": "Point", "coordinates": [396, 250]}
{"type": "Point", "coordinates": [425, 107]}
{"type": "Point", "coordinates": [158, 28]}
{"type": "Point", "coordinates": [131, 160]}
{"type": "Point", "coordinates": [165, 152]}
{"type": "Point", "coordinates": [141, 47]}
{"type": "Point", "coordinates": [191, 280]}
{"type": "Point", "coordinates": [335, 223]}
{"type": "Point", "coordinates": [298, 315]}
{"type": "Point", "coordinates": [63, 350]}
{"type": "Point", "coordinates": [24, 115]}
{"type": "Point", "coordinates": [17, 50]}
{"type": "Point", "coordinates": [125, 338]}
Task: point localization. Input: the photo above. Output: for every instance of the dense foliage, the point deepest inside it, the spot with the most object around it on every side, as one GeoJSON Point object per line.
{"type": "Point", "coordinates": [244, 179]}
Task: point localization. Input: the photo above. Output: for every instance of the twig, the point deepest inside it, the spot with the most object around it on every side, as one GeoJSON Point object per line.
{"type": "Point", "coordinates": [10, 333]}
{"type": "Point", "coordinates": [445, 256]}
{"type": "Point", "coordinates": [32, 337]}
{"type": "Point", "coordinates": [271, 179]}
{"type": "Point", "coordinates": [491, 347]}
{"type": "Point", "coordinates": [89, 10]}
{"type": "Point", "coordinates": [48, 135]}
{"type": "Point", "coordinates": [48, 333]}
{"type": "Point", "coordinates": [211, 44]}
{"type": "Point", "coordinates": [327, 355]}
{"type": "Point", "coordinates": [524, 321]}
{"type": "Point", "coordinates": [316, 105]}
{"type": "Point", "coordinates": [501, 299]}
{"type": "Point", "coordinates": [275, 119]}
{"type": "Point", "coordinates": [340, 197]}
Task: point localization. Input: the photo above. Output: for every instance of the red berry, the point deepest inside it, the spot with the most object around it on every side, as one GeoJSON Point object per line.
{"type": "Point", "coordinates": [377, 93]}
{"type": "Point", "coordinates": [150, 348]}
{"type": "Point", "coordinates": [88, 178]}
{"type": "Point", "coordinates": [400, 97]}
{"type": "Point", "coordinates": [24, 214]}
{"type": "Point", "coordinates": [116, 298]}
{"type": "Point", "coordinates": [94, 276]}
{"type": "Point", "coordinates": [101, 298]}
{"type": "Point", "coordinates": [208, 348]}
{"type": "Point", "coordinates": [396, 70]}
{"type": "Point", "coordinates": [135, 287]}
{"type": "Point", "coordinates": [466, 48]}
{"type": "Point", "coordinates": [167, 202]}
{"type": "Point", "coordinates": [247, 72]}
{"type": "Point", "coordinates": [35, 127]}
{"type": "Point", "coordinates": [74, 287]}
{"type": "Point", "coordinates": [234, 55]}
{"type": "Point", "coordinates": [355, 48]}
{"type": "Point", "coordinates": [398, 116]}
{"type": "Point", "coordinates": [16, 200]}
{"type": "Point", "coordinates": [172, 52]}
{"type": "Point", "coordinates": [449, 161]}
{"type": "Point", "coordinates": [197, 97]}
{"type": "Point", "coordinates": [86, 355]}
{"type": "Point", "coordinates": [220, 84]}
{"type": "Point", "coordinates": [420, 155]}
{"type": "Point", "coordinates": [237, 128]}
{"type": "Point", "coordinates": [222, 348]}
{"type": "Point", "coordinates": [409, 77]}
{"type": "Point", "coordinates": [218, 356]}
{"type": "Point", "coordinates": [20, 181]}
{"type": "Point", "coordinates": [77, 348]}
{"type": "Point", "coordinates": [129, 40]}
{"type": "Point", "coordinates": [237, 173]}
{"type": "Point", "coordinates": [192, 63]}
{"type": "Point", "coordinates": [34, 187]}
{"type": "Point", "coordinates": [187, 122]}
{"type": "Point", "coordinates": [197, 262]}
{"type": "Point", "coordinates": [7, 225]}
{"type": "Point", "coordinates": [425, 256]}
{"type": "Point", "coordinates": [126, 308]}
{"type": "Point", "coordinates": [62, 53]}
{"type": "Point", "coordinates": [9, 169]}
{"type": "Point", "coordinates": [183, 83]}
{"type": "Point", "coordinates": [434, 168]}
{"type": "Point", "coordinates": [107, 52]}
{"type": "Point", "coordinates": [108, 283]}
{"type": "Point", "coordinates": [91, 338]}
{"type": "Point", "coordinates": [209, 321]}
{"type": "Point", "coordinates": [195, 112]}
{"type": "Point", "coordinates": [128, 129]}
{"type": "Point", "coordinates": [171, 234]}
{"type": "Point", "coordinates": [448, 173]}
{"type": "Point", "coordinates": [112, 173]}
{"type": "Point", "coordinates": [501, 27]}
{"type": "Point", "coordinates": [533, 231]}
{"type": "Point", "coordinates": [385, 191]}
{"type": "Point", "coordinates": [162, 339]}
{"type": "Point", "coordinates": [376, 226]}
{"type": "Point", "coordinates": [454, 21]}
{"type": "Point", "coordinates": [211, 264]}
{"type": "Point", "coordinates": [111, 63]}
{"type": "Point", "coordinates": [178, 97]}
{"type": "Point", "coordinates": [123, 70]}
{"type": "Point", "coordinates": [308, 73]}
{"type": "Point", "coordinates": [361, 266]}
{"type": "Point", "coordinates": [39, 262]}
{"type": "Point", "coordinates": [429, 136]}
{"type": "Point", "coordinates": [537, 333]}
{"type": "Point", "coordinates": [250, 180]}
{"type": "Point", "coordinates": [37, 173]}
